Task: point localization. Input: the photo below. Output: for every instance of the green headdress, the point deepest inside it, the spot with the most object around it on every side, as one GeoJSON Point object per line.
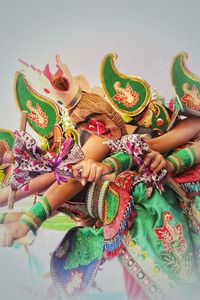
{"type": "Point", "coordinates": [186, 86]}
{"type": "Point", "coordinates": [43, 113]}
{"type": "Point", "coordinates": [128, 94]}
{"type": "Point", "coordinates": [131, 97]}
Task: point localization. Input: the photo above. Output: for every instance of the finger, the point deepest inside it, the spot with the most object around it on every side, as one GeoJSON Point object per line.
{"type": "Point", "coordinates": [156, 161]}
{"type": "Point", "coordinates": [87, 171]}
{"type": "Point", "coordinates": [76, 169]}
{"type": "Point", "coordinates": [154, 164]}
{"type": "Point", "coordinates": [109, 177]}
{"type": "Point", "coordinates": [97, 175]}
{"type": "Point", "coordinates": [82, 181]}
{"type": "Point", "coordinates": [92, 171]}
{"type": "Point", "coordinates": [159, 167]}
{"type": "Point", "coordinates": [147, 160]}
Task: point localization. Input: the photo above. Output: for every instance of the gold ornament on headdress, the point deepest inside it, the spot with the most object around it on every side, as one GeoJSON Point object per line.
{"type": "Point", "coordinates": [128, 94]}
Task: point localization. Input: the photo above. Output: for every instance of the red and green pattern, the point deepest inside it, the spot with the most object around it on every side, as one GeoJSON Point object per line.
{"type": "Point", "coordinates": [155, 116]}
{"type": "Point", "coordinates": [128, 94]}
{"type": "Point", "coordinates": [186, 85]}
{"type": "Point", "coordinates": [43, 113]}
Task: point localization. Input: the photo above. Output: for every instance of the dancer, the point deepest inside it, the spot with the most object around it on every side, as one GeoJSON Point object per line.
{"type": "Point", "coordinates": [110, 123]}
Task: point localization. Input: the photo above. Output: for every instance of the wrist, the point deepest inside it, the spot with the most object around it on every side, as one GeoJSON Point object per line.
{"type": "Point", "coordinates": [169, 167]}
{"type": "Point", "coordinates": [37, 214]}
{"type": "Point", "coordinates": [182, 159]}
{"type": "Point", "coordinates": [21, 229]}
{"type": "Point", "coordinates": [119, 162]}
{"type": "Point", "coordinates": [108, 169]}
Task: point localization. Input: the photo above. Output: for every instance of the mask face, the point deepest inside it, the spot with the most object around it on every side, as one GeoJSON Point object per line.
{"type": "Point", "coordinates": [95, 126]}
{"type": "Point", "coordinates": [101, 125]}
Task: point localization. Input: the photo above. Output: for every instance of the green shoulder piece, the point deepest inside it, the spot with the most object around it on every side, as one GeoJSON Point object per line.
{"type": "Point", "coordinates": [7, 138]}
{"type": "Point", "coordinates": [156, 116]}
{"type": "Point", "coordinates": [128, 94]}
{"type": "Point", "coordinates": [43, 113]}
{"type": "Point", "coordinates": [186, 86]}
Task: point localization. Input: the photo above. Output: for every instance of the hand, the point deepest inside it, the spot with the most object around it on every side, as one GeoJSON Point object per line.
{"type": "Point", "coordinates": [155, 161]}
{"type": "Point", "coordinates": [12, 231]}
{"type": "Point", "coordinates": [90, 170]}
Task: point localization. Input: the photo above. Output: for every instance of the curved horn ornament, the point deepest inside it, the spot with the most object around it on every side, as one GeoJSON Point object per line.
{"type": "Point", "coordinates": [186, 85]}
{"type": "Point", "coordinates": [128, 94]}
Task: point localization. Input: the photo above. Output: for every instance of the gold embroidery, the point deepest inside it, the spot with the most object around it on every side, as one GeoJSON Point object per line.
{"type": "Point", "coordinates": [37, 115]}
{"type": "Point", "coordinates": [126, 95]}
{"type": "Point", "coordinates": [191, 97]}
{"type": "Point", "coordinates": [174, 244]}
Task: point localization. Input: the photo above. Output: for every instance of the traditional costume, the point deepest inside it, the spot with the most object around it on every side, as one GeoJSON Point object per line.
{"type": "Point", "coordinates": [151, 235]}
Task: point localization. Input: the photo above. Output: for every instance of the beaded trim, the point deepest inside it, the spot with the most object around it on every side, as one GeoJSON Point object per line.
{"type": "Point", "coordinates": [148, 285]}
{"type": "Point", "coordinates": [114, 244]}
{"type": "Point", "coordinates": [89, 198]}
{"type": "Point", "coordinates": [191, 187]}
{"type": "Point", "coordinates": [102, 196]}
{"type": "Point", "coordinates": [134, 252]}
{"type": "Point", "coordinates": [95, 198]}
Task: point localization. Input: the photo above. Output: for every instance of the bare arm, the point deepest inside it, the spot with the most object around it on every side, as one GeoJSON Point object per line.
{"type": "Point", "coordinates": [36, 185]}
{"type": "Point", "coordinates": [95, 149]}
{"type": "Point", "coordinates": [183, 132]}
{"type": "Point", "coordinates": [57, 194]}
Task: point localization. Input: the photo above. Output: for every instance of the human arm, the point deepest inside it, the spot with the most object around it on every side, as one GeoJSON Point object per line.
{"type": "Point", "coordinates": [183, 159]}
{"type": "Point", "coordinates": [56, 194]}
{"type": "Point", "coordinates": [36, 185]}
{"type": "Point", "coordinates": [184, 131]}
{"type": "Point", "coordinates": [116, 163]}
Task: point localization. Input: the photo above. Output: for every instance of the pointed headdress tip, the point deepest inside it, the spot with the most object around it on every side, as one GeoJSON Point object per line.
{"type": "Point", "coordinates": [129, 94]}
{"type": "Point", "coordinates": [186, 85]}
{"type": "Point", "coordinates": [113, 55]}
{"type": "Point", "coordinates": [23, 62]}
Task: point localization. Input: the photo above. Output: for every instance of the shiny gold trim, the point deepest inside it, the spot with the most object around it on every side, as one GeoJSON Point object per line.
{"type": "Point", "coordinates": [184, 68]}
{"type": "Point", "coordinates": [136, 78]}
{"type": "Point", "coordinates": [151, 108]}
{"type": "Point", "coordinates": [8, 131]}
{"type": "Point", "coordinates": [75, 100]}
{"type": "Point", "coordinates": [41, 98]}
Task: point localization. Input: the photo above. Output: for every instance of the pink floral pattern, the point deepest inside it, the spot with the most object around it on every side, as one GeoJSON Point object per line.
{"type": "Point", "coordinates": [31, 161]}
{"type": "Point", "coordinates": [134, 145]}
